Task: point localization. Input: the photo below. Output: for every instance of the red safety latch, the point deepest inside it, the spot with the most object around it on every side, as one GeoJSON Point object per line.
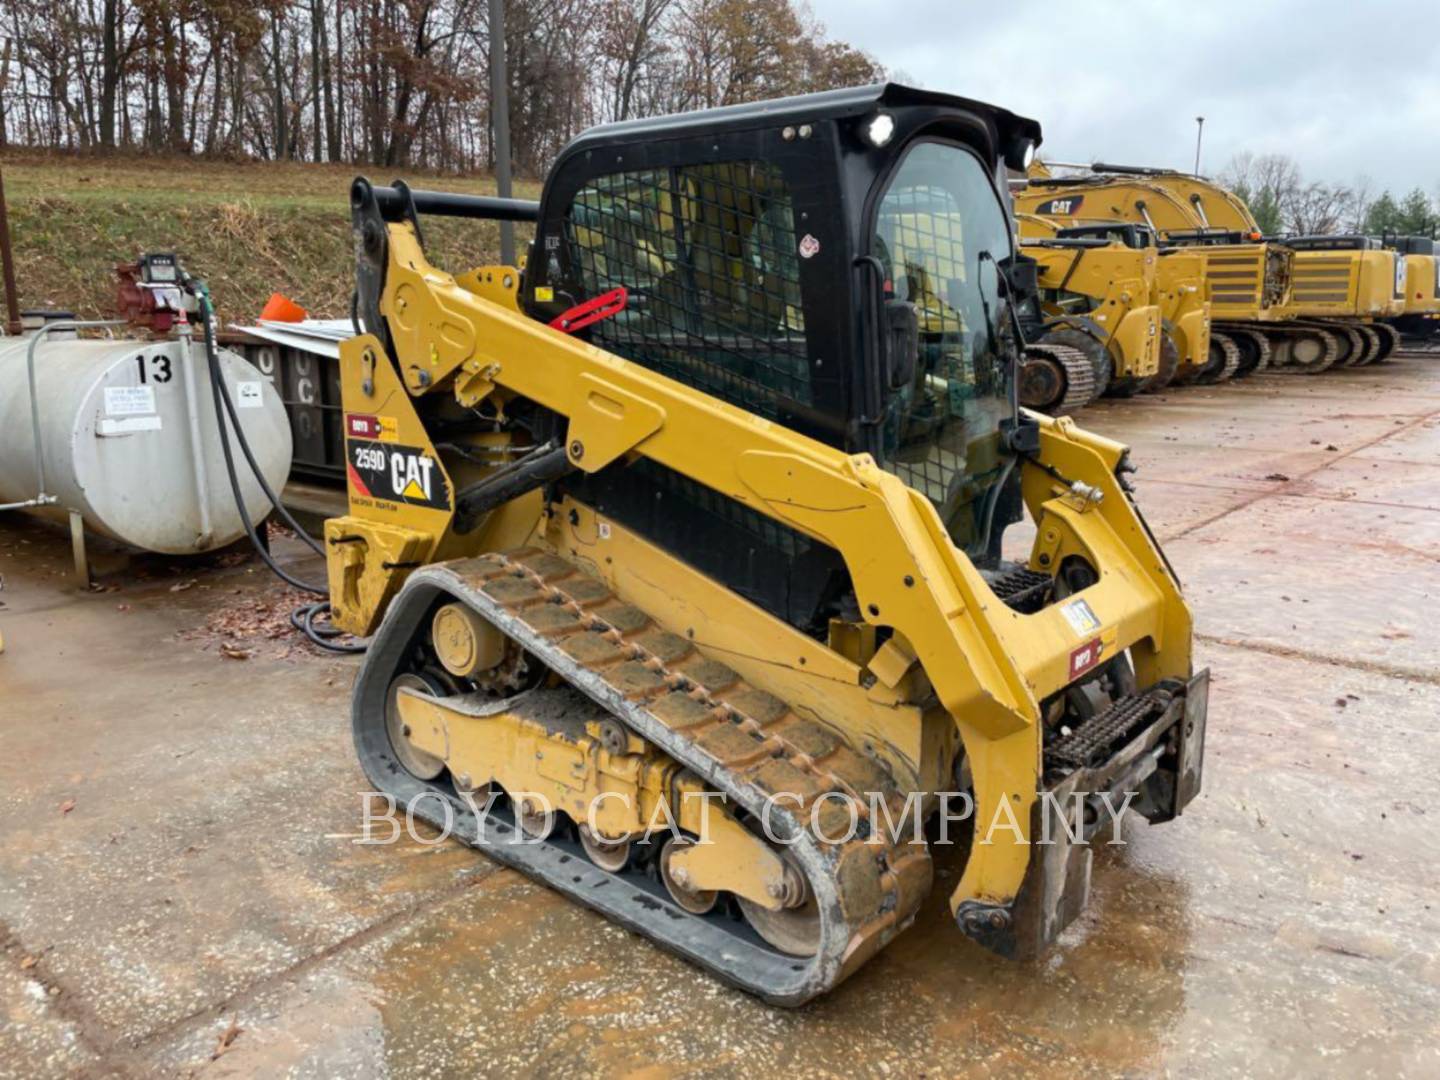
{"type": "Point", "coordinates": [591, 311]}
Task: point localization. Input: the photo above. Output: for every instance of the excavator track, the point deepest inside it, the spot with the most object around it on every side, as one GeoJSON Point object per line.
{"type": "Point", "coordinates": [1259, 349]}
{"type": "Point", "coordinates": [1353, 346]}
{"type": "Point", "coordinates": [1320, 353]}
{"type": "Point", "coordinates": [1229, 359]}
{"type": "Point", "coordinates": [1050, 367]}
{"type": "Point", "coordinates": [1389, 341]}
{"type": "Point", "coordinates": [736, 738]}
{"type": "Point", "coordinates": [1371, 337]}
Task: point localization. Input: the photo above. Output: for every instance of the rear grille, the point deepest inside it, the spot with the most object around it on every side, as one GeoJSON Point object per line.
{"type": "Point", "coordinates": [1321, 280]}
{"type": "Point", "coordinates": [1234, 279]}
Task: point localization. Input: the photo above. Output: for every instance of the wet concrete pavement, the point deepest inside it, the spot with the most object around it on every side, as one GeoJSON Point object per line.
{"type": "Point", "coordinates": [1289, 923]}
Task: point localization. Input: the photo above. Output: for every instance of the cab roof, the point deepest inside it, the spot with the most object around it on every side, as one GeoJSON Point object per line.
{"type": "Point", "coordinates": [800, 109]}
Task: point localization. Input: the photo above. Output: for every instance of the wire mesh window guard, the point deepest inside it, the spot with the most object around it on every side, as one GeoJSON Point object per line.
{"type": "Point", "coordinates": [708, 256]}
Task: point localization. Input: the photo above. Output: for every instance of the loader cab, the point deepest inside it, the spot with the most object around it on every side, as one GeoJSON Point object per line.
{"type": "Point", "coordinates": [840, 263]}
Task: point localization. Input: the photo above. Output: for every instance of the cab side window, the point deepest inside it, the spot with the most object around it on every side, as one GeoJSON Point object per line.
{"type": "Point", "coordinates": [708, 256]}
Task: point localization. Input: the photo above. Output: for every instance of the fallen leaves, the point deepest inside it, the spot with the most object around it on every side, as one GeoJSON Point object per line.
{"type": "Point", "coordinates": [253, 624]}
{"type": "Point", "coordinates": [67, 806]}
{"type": "Point", "coordinates": [226, 1042]}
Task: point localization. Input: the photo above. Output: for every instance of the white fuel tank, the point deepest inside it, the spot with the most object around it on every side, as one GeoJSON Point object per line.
{"type": "Point", "coordinates": [118, 442]}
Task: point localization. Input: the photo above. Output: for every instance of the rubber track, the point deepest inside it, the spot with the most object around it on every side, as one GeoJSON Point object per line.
{"type": "Point", "coordinates": [1079, 376]}
{"type": "Point", "coordinates": [736, 737]}
{"type": "Point", "coordinates": [1232, 359]}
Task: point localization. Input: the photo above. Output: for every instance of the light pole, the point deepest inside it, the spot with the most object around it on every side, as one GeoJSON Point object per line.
{"type": "Point", "coordinates": [1199, 130]}
{"type": "Point", "coordinates": [500, 120]}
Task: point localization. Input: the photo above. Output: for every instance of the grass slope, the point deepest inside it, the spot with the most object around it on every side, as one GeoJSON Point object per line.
{"type": "Point", "coordinates": [249, 229]}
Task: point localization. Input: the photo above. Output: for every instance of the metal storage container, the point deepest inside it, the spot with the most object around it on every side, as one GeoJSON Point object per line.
{"type": "Point", "coordinates": [129, 440]}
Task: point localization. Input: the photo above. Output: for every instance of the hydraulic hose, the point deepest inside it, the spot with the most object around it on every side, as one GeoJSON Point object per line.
{"type": "Point", "coordinates": [302, 618]}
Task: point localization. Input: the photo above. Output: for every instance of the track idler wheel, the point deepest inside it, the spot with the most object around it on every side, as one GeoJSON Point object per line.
{"type": "Point", "coordinates": [418, 763]}
{"type": "Point", "coordinates": [1371, 337]}
{"type": "Point", "coordinates": [1353, 347]}
{"type": "Point", "coordinates": [1224, 360]}
{"type": "Point", "coordinates": [794, 928]}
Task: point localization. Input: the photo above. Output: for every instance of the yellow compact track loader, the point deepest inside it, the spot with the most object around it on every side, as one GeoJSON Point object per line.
{"type": "Point", "coordinates": [682, 549]}
{"type": "Point", "coordinates": [1099, 296]}
{"type": "Point", "coordinates": [1176, 277]}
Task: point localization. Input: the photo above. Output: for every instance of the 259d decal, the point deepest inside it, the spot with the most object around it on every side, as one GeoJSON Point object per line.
{"type": "Point", "coordinates": [403, 474]}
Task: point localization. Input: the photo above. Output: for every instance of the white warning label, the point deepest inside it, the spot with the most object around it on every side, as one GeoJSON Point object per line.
{"type": "Point", "coordinates": [129, 400]}
{"type": "Point", "coordinates": [249, 395]}
{"type": "Point", "coordinates": [1080, 617]}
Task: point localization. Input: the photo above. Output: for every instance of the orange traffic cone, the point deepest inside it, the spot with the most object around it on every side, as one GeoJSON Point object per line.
{"type": "Point", "coordinates": [282, 309]}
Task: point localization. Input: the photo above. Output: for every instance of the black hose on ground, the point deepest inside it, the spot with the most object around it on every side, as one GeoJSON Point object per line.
{"type": "Point", "coordinates": [304, 617]}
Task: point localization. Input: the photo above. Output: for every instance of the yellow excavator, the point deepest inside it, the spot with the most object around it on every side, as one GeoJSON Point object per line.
{"type": "Point", "coordinates": [1419, 323]}
{"type": "Point", "coordinates": [680, 547]}
{"type": "Point", "coordinates": [1311, 302]}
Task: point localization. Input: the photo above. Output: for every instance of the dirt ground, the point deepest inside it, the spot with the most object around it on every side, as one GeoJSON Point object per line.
{"type": "Point", "coordinates": [180, 894]}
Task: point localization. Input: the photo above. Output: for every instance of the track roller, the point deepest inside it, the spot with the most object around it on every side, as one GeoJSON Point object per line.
{"type": "Point", "coordinates": [611, 855]}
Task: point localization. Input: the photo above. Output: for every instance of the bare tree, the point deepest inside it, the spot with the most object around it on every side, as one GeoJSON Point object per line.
{"type": "Point", "coordinates": [391, 82]}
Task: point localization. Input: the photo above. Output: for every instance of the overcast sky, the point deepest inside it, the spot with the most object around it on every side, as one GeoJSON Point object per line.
{"type": "Point", "coordinates": [1346, 87]}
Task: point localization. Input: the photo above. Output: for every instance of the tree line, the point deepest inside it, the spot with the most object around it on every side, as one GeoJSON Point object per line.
{"type": "Point", "coordinates": [389, 82]}
{"type": "Point", "coordinates": [1285, 203]}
